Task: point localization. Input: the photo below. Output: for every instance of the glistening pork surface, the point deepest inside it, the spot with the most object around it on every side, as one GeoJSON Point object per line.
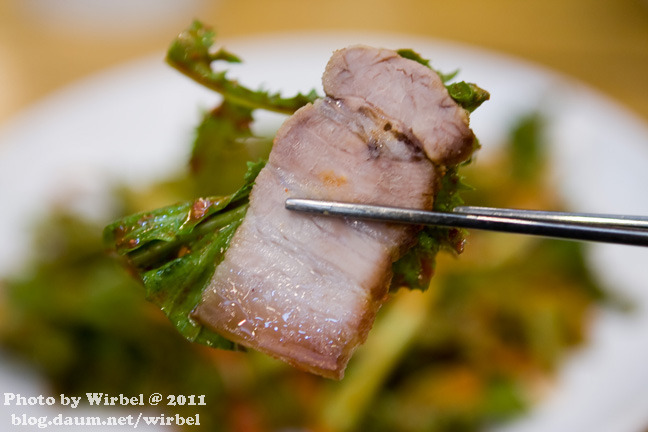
{"type": "Point", "coordinates": [306, 288]}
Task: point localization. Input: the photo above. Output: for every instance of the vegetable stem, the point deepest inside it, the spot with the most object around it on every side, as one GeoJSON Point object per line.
{"type": "Point", "coordinates": [153, 253]}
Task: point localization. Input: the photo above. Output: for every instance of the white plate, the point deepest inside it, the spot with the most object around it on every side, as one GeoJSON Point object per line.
{"type": "Point", "coordinates": [134, 124]}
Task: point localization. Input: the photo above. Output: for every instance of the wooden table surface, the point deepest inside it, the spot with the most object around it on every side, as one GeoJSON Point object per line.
{"type": "Point", "coordinates": [48, 44]}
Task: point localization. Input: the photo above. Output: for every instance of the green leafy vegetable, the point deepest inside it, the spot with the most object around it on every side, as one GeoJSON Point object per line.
{"type": "Point", "coordinates": [415, 269]}
{"type": "Point", "coordinates": [527, 149]}
{"type": "Point", "coordinates": [176, 221]}
{"type": "Point", "coordinates": [192, 54]}
{"type": "Point", "coordinates": [468, 95]}
{"type": "Point", "coordinates": [80, 320]}
{"type": "Point", "coordinates": [224, 144]}
{"type": "Point", "coordinates": [175, 250]}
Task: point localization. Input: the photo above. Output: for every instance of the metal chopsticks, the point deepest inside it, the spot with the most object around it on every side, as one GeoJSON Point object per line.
{"type": "Point", "coordinates": [619, 229]}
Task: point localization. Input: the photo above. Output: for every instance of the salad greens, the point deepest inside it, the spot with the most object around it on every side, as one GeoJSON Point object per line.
{"type": "Point", "coordinates": [183, 246]}
{"type": "Point", "coordinates": [192, 53]}
{"type": "Point", "coordinates": [80, 320]}
{"type": "Point", "coordinates": [174, 250]}
{"type": "Point", "coordinates": [224, 144]}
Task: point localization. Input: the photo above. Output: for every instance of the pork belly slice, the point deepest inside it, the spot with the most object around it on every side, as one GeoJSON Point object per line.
{"type": "Point", "coordinates": [306, 288]}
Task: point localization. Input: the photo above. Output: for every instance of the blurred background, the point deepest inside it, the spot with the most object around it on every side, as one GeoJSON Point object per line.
{"type": "Point", "coordinates": [484, 352]}
{"type": "Point", "coordinates": [46, 44]}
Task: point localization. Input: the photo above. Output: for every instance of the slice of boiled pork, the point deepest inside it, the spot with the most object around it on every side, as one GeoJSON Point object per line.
{"type": "Point", "coordinates": [306, 288]}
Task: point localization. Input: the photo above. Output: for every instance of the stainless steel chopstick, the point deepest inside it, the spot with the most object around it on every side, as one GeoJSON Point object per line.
{"type": "Point", "coordinates": [592, 219]}
{"type": "Point", "coordinates": [619, 229]}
